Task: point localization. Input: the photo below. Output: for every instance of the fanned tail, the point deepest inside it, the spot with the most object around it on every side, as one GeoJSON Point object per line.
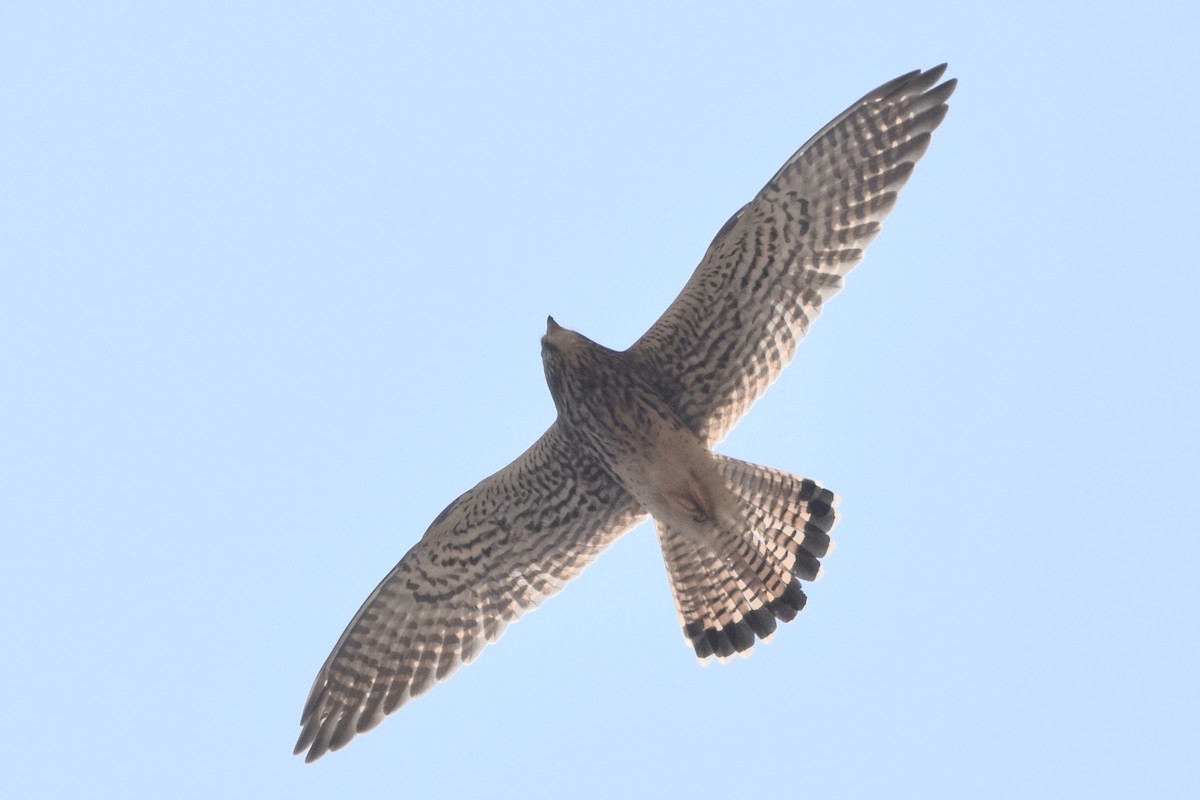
{"type": "Point", "coordinates": [727, 600]}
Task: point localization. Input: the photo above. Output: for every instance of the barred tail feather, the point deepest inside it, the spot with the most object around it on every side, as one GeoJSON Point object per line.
{"type": "Point", "coordinates": [795, 514]}
{"type": "Point", "coordinates": [716, 606]}
{"type": "Point", "coordinates": [728, 600]}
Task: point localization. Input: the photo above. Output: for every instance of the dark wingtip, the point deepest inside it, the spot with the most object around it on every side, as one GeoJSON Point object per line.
{"type": "Point", "coordinates": [306, 738]}
{"type": "Point", "coordinates": [915, 82]}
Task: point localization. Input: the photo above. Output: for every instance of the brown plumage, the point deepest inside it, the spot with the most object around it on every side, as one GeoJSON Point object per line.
{"type": "Point", "coordinates": [634, 435]}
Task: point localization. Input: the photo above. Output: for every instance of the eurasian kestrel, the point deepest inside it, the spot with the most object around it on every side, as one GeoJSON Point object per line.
{"type": "Point", "coordinates": [634, 435]}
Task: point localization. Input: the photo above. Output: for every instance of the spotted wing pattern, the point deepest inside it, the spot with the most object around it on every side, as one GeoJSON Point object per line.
{"type": "Point", "coordinates": [494, 553]}
{"type": "Point", "coordinates": [776, 262]}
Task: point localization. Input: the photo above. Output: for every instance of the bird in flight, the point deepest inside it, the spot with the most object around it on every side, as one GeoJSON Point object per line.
{"type": "Point", "coordinates": [634, 437]}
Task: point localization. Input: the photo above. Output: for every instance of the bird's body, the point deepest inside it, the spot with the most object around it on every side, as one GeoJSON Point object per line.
{"type": "Point", "coordinates": [634, 437]}
{"type": "Point", "coordinates": [615, 414]}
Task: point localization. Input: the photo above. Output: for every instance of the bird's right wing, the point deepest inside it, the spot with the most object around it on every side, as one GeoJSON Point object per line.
{"type": "Point", "coordinates": [772, 266]}
{"type": "Point", "coordinates": [494, 553]}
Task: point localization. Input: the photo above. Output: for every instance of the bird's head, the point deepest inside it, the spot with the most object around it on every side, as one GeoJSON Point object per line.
{"type": "Point", "coordinates": [563, 352]}
{"type": "Point", "coordinates": [557, 339]}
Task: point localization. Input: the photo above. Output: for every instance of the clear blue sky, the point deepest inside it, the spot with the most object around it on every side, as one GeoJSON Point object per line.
{"type": "Point", "coordinates": [272, 279]}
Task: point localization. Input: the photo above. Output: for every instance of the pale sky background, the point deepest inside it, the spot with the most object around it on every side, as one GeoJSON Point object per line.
{"type": "Point", "coordinates": [272, 279]}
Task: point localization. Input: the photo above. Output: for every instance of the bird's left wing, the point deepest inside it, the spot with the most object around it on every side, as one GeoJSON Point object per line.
{"type": "Point", "coordinates": [769, 270]}
{"type": "Point", "coordinates": [494, 553]}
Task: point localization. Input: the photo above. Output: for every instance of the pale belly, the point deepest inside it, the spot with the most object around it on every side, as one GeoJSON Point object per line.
{"type": "Point", "coordinates": [673, 475]}
{"type": "Point", "coordinates": [619, 417]}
